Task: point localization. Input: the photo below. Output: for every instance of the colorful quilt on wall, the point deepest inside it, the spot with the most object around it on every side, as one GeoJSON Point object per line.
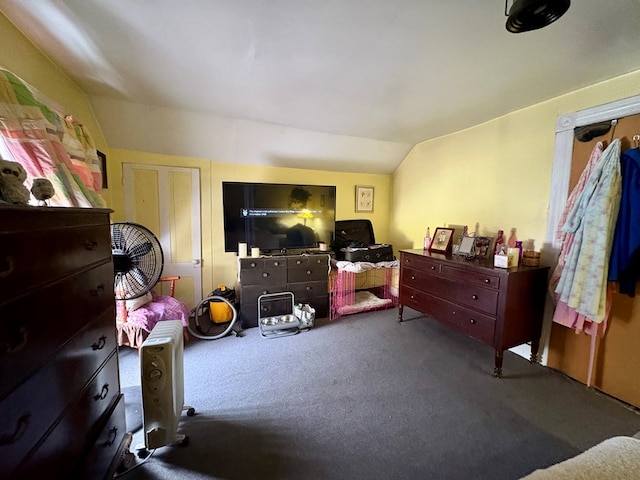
{"type": "Point", "coordinates": [48, 144]}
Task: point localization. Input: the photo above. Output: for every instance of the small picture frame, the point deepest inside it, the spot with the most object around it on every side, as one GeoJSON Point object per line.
{"type": "Point", "coordinates": [482, 247]}
{"type": "Point", "coordinates": [442, 238]}
{"type": "Point", "coordinates": [364, 198]}
{"type": "Point", "coordinates": [467, 246]}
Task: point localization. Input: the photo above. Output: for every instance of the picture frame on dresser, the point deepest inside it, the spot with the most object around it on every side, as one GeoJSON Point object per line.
{"type": "Point", "coordinates": [467, 246]}
{"type": "Point", "coordinates": [442, 239]}
{"type": "Point", "coordinates": [482, 246]}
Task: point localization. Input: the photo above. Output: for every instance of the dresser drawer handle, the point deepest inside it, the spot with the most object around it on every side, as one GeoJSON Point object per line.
{"type": "Point", "coordinates": [90, 245]}
{"type": "Point", "coordinates": [21, 428]}
{"type": "Point", "coordinates": [11, 262]}
{"type": "Point", "coordinates": [475, 297]}
{"type": "Point", "coordinates": [486, 280]}
{"type": "Point", "coordinates": [413, 277]}
{"type": "Point", "coordinates": [472, 321]}
{"type": "Point", "coordinates": [103, 393]}
{"type": "Point", "coordinates": [113, 434]}
{"type": "Point", "coordinates": [19, 344]}
{"type": "Point", "coordinates": [308, 288]}
{"type": "Point", "coordinates": [433, 267]}
{"type": "Point", "coordinates": [99, 290]}
{"type": "Point", "coordinates": [298, 262]}
{"type": "Point", "coordinates": [276, 263]}
{"type": "Point", "coordinates": [309, 272]}
{"type": "Point", "coordinates": [253, 264]}
{"type": "Point", "coordinates": [99, 345]}
{"type": "Point", "coordinates": [265, 274]}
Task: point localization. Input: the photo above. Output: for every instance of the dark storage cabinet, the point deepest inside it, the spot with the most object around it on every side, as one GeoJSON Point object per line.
{"type": "Point", "coordinates": [60, 402]}
{"type": "Point", "coordinates": [305, 276]}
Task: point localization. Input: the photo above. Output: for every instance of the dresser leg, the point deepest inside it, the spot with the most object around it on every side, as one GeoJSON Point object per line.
{"type": "Point", "coordinates": [399, 312]}
{"type": "Point", "coordinates": [497, 371]}
{"type": "Point", "coordinates": [535, 346]}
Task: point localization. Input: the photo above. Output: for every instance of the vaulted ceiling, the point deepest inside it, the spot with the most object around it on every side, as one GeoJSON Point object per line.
{"type": "Point", "coordinates": [347, 85]}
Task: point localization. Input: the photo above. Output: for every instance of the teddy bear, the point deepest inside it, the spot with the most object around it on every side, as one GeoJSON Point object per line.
{"type": "Point", "coordinates": [12, 188]}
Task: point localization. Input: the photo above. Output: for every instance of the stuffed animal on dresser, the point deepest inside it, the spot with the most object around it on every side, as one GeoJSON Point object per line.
{"type": "Point", "coordinates": [12, 188]}
{"type": "Point", "coordinates": [42, 190]}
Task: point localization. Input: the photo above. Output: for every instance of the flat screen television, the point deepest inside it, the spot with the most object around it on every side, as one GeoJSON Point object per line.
{"type": "Point", "coordinates": [278, 218]}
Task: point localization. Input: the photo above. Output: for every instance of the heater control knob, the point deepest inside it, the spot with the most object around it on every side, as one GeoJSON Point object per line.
{"type": "Point", "coordinates": [155, 374]}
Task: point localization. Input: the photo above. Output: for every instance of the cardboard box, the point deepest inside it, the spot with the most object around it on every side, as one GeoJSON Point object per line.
{"type": "Point", "coordinates": [507, 261]}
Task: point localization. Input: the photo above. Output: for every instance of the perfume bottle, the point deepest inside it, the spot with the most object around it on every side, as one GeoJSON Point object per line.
{"type": "Point", "coordinates": [512, 239]}
{"type": "Point", "coordinates": [519, 247]}
{"type": "Point", "coordinates": [499, 242]}
{"type": "Point", "coordinates": [427, 240]}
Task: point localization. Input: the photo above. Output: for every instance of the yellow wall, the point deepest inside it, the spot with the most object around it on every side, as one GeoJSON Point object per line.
{"type": "Point", "coordinates": [497, 174]}
{"type": "Point", "coordinates": [221, 267]}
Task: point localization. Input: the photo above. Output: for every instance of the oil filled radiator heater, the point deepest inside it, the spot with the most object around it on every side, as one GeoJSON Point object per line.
{"type": "Point", "coordinates": [162, 377]}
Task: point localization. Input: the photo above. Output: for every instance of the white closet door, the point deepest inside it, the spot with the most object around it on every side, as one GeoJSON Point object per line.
{"type": "Point", "coordinates": [166, 200]}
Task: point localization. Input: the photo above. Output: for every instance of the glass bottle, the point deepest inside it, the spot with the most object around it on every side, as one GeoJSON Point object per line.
{"type": "Point", "coordinates": [512, 239]}
{"type": "Point", "coordinates": [427, 240]}
{"type": "Point", "coordinates": [499, 242]}
{"type": "Point", "coordinates": [519, 247]}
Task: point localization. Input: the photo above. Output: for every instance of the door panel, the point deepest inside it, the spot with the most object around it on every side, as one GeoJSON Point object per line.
{"type": "Point", "coordinates": [166, 200]}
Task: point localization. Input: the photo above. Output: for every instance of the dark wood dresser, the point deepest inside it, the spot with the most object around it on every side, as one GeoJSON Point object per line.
{"type": "Point", "coordinates": [60, 402]}
{"type": "Point", "coordinates": [500, 307]}
{"type": "Point", "coordinates": [306, 276]}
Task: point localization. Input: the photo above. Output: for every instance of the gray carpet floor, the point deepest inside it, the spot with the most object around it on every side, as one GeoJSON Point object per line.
{"type": "Point", "coordinates": [366, 397]}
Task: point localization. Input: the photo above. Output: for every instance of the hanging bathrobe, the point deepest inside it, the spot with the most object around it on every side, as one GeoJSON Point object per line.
{"type": "Point", "coordinates": [566, 239]}
{"type": "Point", "coordinates": [625, 254]}
{"type": "Point", "coordinates": [583, 282]}
{"type": "Point", "coordinates": [584, 300]}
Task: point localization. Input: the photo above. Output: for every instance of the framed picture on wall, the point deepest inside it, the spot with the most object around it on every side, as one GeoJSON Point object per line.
{"type": "Point", "coordinates": [103, 166]}
{"type": "Point", "coordinates": [442, 238]}
{"type": "Point", "coordinates": [364, 198]}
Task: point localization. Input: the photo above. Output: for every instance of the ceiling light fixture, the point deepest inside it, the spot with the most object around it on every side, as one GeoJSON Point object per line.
{"type": "Point", "coordinates": [526, 15]}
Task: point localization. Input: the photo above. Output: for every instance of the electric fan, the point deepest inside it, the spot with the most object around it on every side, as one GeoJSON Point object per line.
{"type": "Point", "coordinates": [137, 259]}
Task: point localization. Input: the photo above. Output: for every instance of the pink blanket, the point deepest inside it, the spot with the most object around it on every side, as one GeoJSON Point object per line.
{"type": "Point", "coordinates": [161, 307]}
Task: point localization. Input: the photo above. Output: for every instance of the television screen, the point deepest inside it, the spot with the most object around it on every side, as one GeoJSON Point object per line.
{"type": "Point", "coordinates": [278, 217]}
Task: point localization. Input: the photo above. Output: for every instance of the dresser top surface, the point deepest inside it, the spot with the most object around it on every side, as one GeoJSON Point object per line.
{"type": "Point", "coordinates": [461, 261]}
{"type": "Point", "coordinates": [26, 218]}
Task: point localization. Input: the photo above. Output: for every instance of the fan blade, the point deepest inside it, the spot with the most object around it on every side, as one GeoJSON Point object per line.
{"type": "Point", "coordinates": [117, 237]}
{"type": "Point", "coordinates": [139, 250]}
{"type": "Point", "coordinates": [119, 286]}
{"type": "Point", "coordinates": [139, 276]}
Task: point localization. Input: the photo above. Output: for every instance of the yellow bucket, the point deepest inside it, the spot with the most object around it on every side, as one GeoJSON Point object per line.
{"type": "Point", "coordinates": [219, 311]}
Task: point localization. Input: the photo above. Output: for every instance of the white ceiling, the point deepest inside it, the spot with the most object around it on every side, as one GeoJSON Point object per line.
{"type": "Point", "coordinates": [348, 84]}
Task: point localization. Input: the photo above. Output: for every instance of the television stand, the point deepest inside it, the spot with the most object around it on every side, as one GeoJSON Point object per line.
{"type": "Point", "coordinates": [305, 276]}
